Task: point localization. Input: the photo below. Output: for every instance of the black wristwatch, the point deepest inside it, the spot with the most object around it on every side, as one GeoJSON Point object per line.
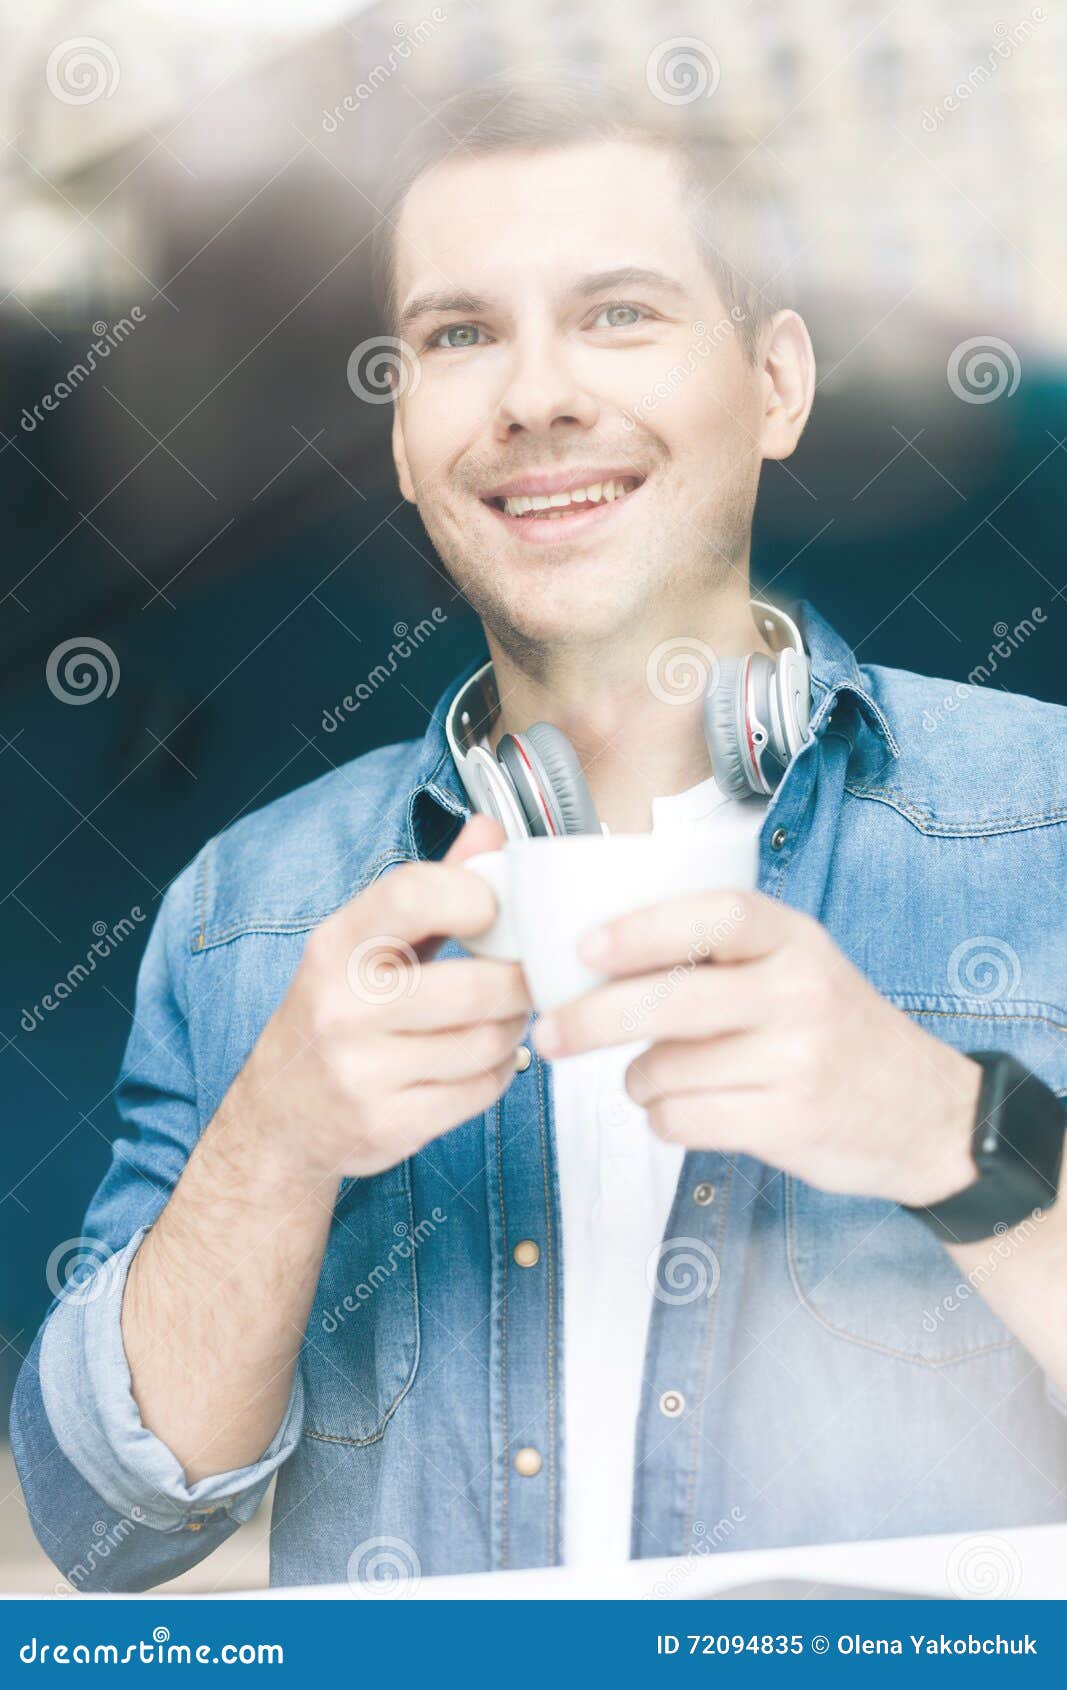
{"type": "Point", "coordinates": [1017, 1146]}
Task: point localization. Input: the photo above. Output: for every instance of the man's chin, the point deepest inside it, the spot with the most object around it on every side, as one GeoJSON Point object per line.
{"type": "Point", "coordinates": [566, 620]}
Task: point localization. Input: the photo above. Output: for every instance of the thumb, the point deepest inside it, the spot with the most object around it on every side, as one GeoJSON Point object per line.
{"type": "Point", "coordinates": [481, 833]}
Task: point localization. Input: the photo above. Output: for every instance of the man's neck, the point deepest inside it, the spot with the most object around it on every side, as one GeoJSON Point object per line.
{"type": "Point", "coordinates": [633, 712]}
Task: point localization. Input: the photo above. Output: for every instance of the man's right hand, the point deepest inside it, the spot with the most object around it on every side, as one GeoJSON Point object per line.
{"type": "Point", "coordinates": [376, 1048]}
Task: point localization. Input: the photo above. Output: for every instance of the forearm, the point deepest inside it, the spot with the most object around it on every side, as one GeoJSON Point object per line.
{"type": "Point", "coordinates": [219, 1292]}
{"type": "Point", "coordinates": [338, 1084]}
{"type": "Point", "coordinates": [1022, 1274]}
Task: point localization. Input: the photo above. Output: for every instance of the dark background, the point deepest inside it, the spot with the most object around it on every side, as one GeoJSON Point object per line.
{"type": "Point", "coordinates": [216, 505]}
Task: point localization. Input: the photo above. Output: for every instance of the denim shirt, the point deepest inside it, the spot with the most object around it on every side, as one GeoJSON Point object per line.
{"type": "Point", "coordinates": [835, 1378]}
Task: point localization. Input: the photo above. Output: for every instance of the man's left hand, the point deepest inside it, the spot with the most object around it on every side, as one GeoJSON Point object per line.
{"type": "Point", "coordinates": [766, 1040]}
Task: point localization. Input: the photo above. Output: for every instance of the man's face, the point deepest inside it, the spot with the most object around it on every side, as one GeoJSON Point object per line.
{"type": "Point", "coordinates": [570, 335]}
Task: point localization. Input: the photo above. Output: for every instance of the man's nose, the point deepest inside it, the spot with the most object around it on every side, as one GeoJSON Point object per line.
{"type": "Point", "coordinates": [541, 388]}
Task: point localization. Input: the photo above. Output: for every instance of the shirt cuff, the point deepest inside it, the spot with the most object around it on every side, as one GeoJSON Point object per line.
{"type": "Point", "coordinates": [88, 1397]}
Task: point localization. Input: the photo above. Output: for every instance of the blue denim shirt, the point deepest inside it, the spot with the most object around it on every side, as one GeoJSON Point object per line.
{"type": "Point", "coordinates": [839, 1381]}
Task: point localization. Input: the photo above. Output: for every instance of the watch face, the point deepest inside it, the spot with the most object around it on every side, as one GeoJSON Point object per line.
{"type": "Point", "coordinates": [1017, 1147]}
{"type": "Point", "coordinates": [1018, 1137]}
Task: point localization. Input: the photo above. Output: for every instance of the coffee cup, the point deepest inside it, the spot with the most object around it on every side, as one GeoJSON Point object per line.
{"type": "Point", "coordinates": [552, 890]}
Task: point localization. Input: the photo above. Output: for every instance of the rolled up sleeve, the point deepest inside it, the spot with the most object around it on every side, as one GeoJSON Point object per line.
{"type": "Point", "coordinates": [88, 1397]}
{"type": "Point", "coordinates": [80, 1445]}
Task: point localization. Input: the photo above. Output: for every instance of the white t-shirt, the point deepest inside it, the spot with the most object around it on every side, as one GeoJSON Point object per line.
{"type": "Point", "coordinates": [617, 1185]}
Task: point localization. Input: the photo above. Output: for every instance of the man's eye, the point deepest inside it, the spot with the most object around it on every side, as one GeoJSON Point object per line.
{"type": "Point", "coordinates": [466, 335]}
{"type": "Point", "coordinates": [615, 321]}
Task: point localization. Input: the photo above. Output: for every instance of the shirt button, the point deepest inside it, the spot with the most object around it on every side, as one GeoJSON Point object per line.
{"type": "Point", "coordinates": [528, 1462]}
{"type": "Point", "coordinates": [704, 1194]}
{"type": "Point", "coordinates": [522, 1059]}
{"type": "Point", "coordinates": [526, 1253]}
{"type": "Point", "coordinates": [778, 838]}
{"type": "Point", "coordinates": [671, 1403]}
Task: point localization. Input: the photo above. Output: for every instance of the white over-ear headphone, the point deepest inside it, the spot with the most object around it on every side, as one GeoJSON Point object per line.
{"type": "Point", "coordinates": [755, 718]}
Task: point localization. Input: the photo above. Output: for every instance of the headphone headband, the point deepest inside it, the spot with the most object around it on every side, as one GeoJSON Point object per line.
{"type": "Point", "coordinates": [778, 628]}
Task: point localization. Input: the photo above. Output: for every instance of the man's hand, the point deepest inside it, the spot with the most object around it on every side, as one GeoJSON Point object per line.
{"type": "Point", "coordinates": [766, 1040]}
{"type": "Point", "coordinates": [373, 1050]}
{"type": "Point", "coordinates": [376, 1048]}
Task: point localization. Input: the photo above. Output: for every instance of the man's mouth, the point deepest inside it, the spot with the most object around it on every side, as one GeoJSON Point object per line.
{"type": "Point", "coordinates": [551, 507]}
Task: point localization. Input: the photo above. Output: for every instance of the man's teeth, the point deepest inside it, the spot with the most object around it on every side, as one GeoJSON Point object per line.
{"type": "Point", "coordinates": [598, 492]}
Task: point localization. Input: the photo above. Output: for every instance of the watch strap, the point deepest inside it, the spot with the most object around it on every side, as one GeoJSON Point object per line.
{"type": "Point", "coordinates": [1017, 1148]}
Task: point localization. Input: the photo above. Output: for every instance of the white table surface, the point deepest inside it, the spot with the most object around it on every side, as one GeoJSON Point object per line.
{"type": "Point", "coordinates": [1026, 1562]}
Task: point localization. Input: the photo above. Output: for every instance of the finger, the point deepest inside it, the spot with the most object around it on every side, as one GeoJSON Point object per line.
{"type": "Point", "coordinates": [424, 1111]}
{"type": "Point", "coordinates": [481, 833]}
{"type": "Point", "coordinates": [720, 926]}
{"type": "Point", "coordinates": [459, 992]}
{"type": "Point", "coordinates": [455, 1053]}
{"type": "Point", "coordinates": [413, 902]}
{"type": "Point", "coordinates": [708, 1065]}
{"type": "Point", "coordinates": [684, 1003]}
{"type": "Point", "coordinates": [740, 1121]}
{"type": "Point", "coordinates": [431, 1108]}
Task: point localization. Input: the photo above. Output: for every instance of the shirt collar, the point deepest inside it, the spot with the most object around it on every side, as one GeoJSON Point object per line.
{"type": "Point", "coordinates": [437, 798]}
{"type": "Point", "coordinates": [834, 671]}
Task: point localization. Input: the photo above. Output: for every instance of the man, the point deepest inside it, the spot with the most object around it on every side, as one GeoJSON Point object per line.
{"type": "Point", "coordinates": [480, 1307]}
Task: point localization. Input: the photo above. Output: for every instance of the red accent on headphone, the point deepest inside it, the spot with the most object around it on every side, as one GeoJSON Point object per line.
{"type": "Point", "coordinates": [748, 714]}
{"type": "Point", "coordinates": [546, 813]}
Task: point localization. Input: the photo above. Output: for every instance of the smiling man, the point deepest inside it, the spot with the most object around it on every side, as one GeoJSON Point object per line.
{"type": "Point", "coordinates": [793, 1269]}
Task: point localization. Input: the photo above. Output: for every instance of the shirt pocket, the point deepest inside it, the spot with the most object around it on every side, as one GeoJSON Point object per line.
{"type": "Point", "coordinates": [361, 1348]}
{"type": "Point", "coordinates": [874, 1275]}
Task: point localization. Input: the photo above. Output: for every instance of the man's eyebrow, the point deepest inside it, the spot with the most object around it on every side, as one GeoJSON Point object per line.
{"type": "Point", "coordinates": [440, 299]}
{"type": "Point", "coordinates": [626, 275]}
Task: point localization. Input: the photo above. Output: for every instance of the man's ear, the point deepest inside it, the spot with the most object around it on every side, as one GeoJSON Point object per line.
{"type": "Point", "coordinates": [788, 383]}
{"type": "Point", "coordinates": [400, 458]}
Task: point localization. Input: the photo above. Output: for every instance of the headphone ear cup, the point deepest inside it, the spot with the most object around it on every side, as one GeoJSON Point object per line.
{"type": "Point", "coordinates": [556, 762]}
{"type": "Point", "coordinates": [724, 718]}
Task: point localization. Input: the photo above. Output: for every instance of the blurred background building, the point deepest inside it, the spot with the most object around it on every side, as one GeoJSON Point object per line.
{"type": "Point", "coordinates": [209, 511]}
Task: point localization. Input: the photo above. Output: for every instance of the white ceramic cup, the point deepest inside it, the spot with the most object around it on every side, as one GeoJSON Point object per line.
{"type": "Point", "coordinates": [550, 891]}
